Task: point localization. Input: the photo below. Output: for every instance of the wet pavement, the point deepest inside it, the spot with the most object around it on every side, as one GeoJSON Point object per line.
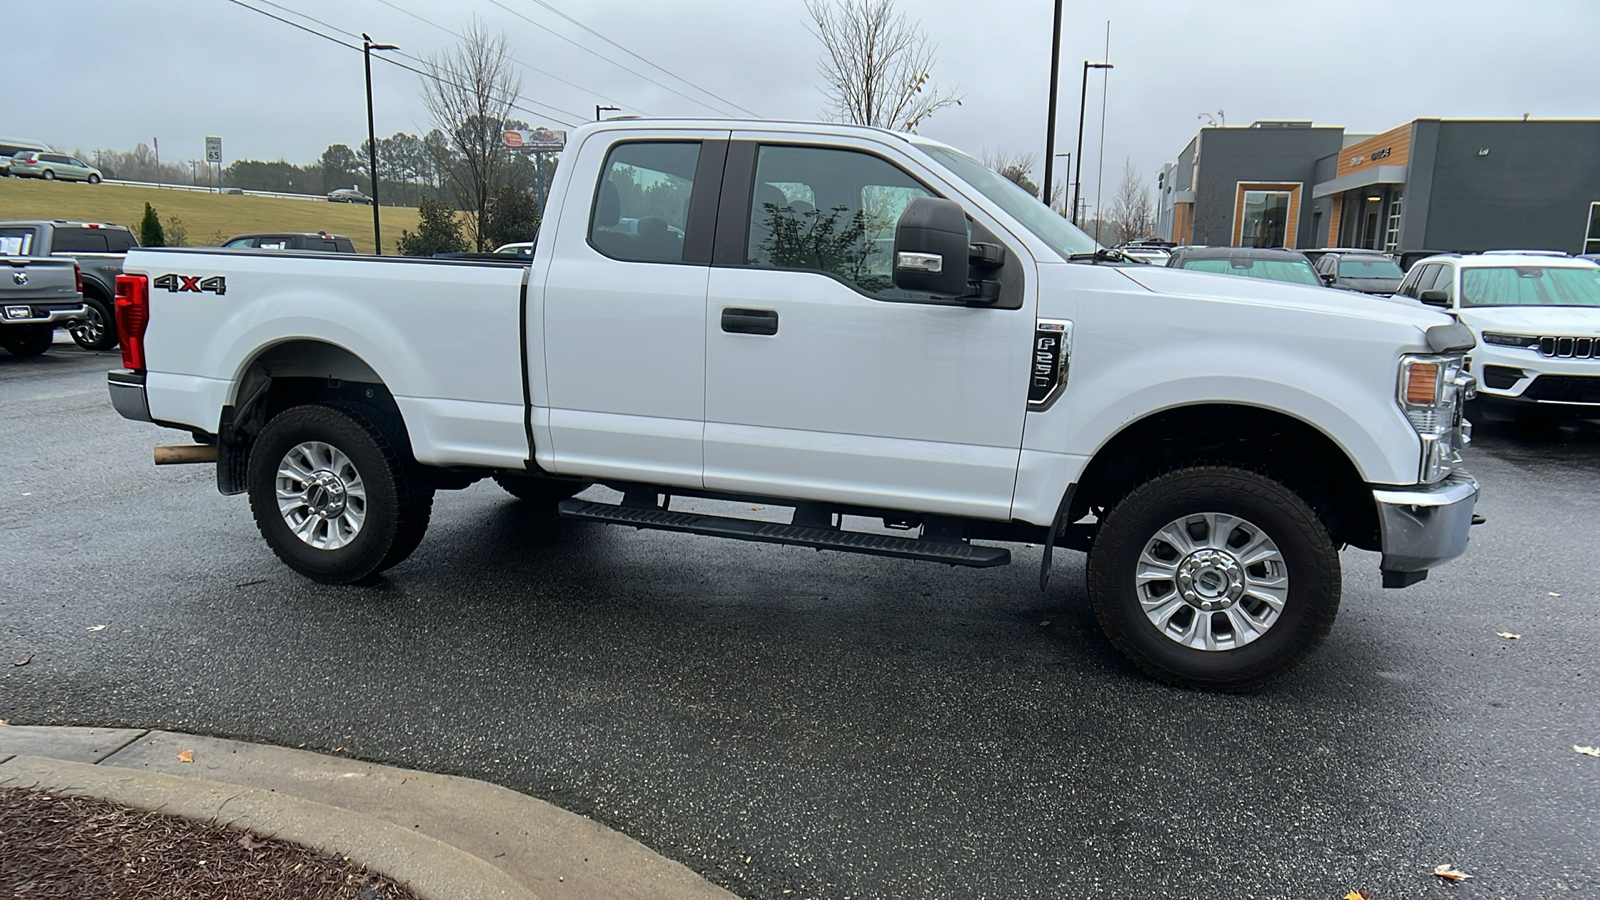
{"type": "Point", "coordinates": [829, 725]}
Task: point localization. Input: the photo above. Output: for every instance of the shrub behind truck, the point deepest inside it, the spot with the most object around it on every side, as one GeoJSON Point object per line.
{"type": "Point", "coordinates": [844, 322]}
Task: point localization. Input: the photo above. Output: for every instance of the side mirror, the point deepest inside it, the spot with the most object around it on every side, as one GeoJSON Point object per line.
{"type": "Point", "coordinates": [930, 248]}
{"type": "Point", "coordinates": [1436, 298]}
{"type": "Point", "coordinates": [1328, 278]}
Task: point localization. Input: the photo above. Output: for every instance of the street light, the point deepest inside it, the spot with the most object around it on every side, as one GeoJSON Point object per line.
{"type": "Point", "coordinates": [598, 109]}
{"type": "Point", "coordinates": [367, 46]}
{"type": "Point", "coordinates": [1050, 126]}
{"type": "Point", "coordinates": [1083, 99]}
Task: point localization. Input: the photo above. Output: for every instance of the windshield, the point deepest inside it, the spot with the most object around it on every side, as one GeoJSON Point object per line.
{"type": "Point", "coordinates": [1292, 271]}
{"type": "Point", "coordinates": [1371, 267]}
{"type": "Point", "coordinates": [1530, 286]}
{"type": "Point", "coordinates": [1046, 224]}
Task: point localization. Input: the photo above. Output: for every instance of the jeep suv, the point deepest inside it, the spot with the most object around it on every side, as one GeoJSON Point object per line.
{"type": "Point", "coordinates": [1537, 320]}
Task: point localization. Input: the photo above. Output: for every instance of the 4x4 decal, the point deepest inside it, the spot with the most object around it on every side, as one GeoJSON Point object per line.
{"type": "Point", "coordinates": [216, 284]}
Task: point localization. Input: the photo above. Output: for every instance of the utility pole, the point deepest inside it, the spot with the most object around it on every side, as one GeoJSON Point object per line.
{"type": "Point", "coordinates": [598, 108]}
{"type": "Point", "coordinates": [367, 46]}
{"type": "Point", "coordinates": [1083, 99]}
{"type": "Point", "coordinates": [1050, 127]}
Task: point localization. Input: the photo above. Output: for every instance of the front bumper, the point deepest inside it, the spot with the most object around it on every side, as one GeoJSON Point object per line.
{"type": "Point", "coordinates": [127, 394]}
{"type": "Point", "coordinates": [1424, 526]}
{"type": "Point", "coordinates": [35, 313]}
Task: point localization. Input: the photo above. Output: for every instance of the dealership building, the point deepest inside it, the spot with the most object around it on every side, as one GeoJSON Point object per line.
{"type": "Point", "coordinates": [1440, 184]}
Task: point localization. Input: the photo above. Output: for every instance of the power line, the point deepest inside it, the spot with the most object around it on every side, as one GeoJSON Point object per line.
{"type": "Point", "coordinates": [531, 68]}
{"type": "Point", "coordinates": [592, 53]}
{"type": "Point", "coordinates": [510, 101]}
{"type": "Point", "coordinates": [643, 60]}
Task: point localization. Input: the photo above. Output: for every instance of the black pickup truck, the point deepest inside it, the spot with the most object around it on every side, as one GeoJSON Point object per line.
{"type": "Point", "coordinates": [36, 296]}
{"type": "Point", "coordinates": [98, 249]}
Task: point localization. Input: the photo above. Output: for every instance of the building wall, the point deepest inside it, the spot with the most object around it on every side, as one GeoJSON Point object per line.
{"type": "Point", "coordinates": [1229, 156]}
{"type": "Point", "coordinates": [1532, 190]}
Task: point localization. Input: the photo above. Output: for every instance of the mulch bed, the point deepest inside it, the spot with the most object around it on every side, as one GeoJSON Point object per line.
{"type": "Point", "coordinates": [80, 847]}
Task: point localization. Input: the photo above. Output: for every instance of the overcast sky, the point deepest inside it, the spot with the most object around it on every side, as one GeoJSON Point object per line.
{"type": "Point", "coordinates": [90, 74]}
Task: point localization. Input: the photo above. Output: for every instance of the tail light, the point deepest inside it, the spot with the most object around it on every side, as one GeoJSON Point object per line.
{"type": "Point", "coordinates": [133, 317]}
{"type": "Point", "coordinates": [77, 276]}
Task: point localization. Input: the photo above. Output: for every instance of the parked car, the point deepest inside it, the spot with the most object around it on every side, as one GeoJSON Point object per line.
{"type": "Point", "coordinates": [1364, 271]}
{"type": "Point", "coordinates": [293, 240]}
{"type": "Point", "coordinates": [520, 249]}
{"type": "Point", "coordinates": [964, 366]}
{"type": "Point", "coordinates": [52, 167]}
{"type": "Point", "coordinates": [98, 249]}
{"type": "Point", "coordinates": [1537, 320]}
{"type": "Point", "coordinates": [36, 296]}
{"type": "Point", "coordinates": [9, 147]}
{"type": "Point", "coordinates": [1155, 256]}
{"type": "Point", "coordinates": [348, 195]}
{"type": "Point", "coordinates": [1249, 262]}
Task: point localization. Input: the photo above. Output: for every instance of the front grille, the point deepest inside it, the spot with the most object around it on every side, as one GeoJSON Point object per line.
{"type": "Point", "coordinates": [1569, 347]}
{"type": "Point", "coordinates": [1564, 389]}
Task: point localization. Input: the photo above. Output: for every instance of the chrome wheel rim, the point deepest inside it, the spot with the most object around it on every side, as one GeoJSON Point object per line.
{"type": "Point", "coordinates": [93, 327]}
{"type": "Point", "coordinates": [1212, 581]}
{"type": "Point", "coordinates": [321, 495]}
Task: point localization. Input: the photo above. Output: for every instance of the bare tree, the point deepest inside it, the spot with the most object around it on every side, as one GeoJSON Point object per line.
{"type": "Point", "coordinates": [1014, 167]}
{"type": "Point", "coordinates": [876, 66]}
{"type": "Point", "coordinates": [1131, 214]}
{"type": "Point", "coordinates": [470, 90]}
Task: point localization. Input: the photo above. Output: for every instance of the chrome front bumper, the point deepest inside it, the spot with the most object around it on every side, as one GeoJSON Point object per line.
{"type": "Point", "coordinates": [1424, 526]}
{"type": "Point", "coordinates": [127, 394]}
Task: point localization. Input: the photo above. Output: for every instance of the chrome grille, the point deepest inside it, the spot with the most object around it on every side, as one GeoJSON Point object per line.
{"type": "Point", "coordinates": [1569, 347]}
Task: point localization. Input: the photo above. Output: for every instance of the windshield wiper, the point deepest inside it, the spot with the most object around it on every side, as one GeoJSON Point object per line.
{"type": "Point", "coordinates": [1099, 256]}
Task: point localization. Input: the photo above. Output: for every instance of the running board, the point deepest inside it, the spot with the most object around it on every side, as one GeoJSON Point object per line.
{"type": "Point", "coordinates": [953, 552]}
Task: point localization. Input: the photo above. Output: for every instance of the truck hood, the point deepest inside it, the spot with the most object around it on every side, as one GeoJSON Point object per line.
{"type": "Point", "coordinates": [1207, 286]}
{"type": "Point", "coordinates": [1577, 321]}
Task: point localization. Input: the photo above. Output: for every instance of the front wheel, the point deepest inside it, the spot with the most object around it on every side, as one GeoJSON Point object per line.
{"type": "Point", "coordinates": [93, 178]}
{"type": "Point", "coordinates": [98, 330]}
{"type": "Point", "coordinates": [335, 493]}
{"type": "Point", "coordinates": [1214, 578]}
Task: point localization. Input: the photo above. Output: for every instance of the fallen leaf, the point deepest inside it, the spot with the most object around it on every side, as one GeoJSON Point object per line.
{"type": "Point", "coordinates": [1508, 635]}
{"type": "Point", "coordinates": [4, 722]}
{"type": "Point", "coordinates": [97, 627]}
{"type": "Point", "coordinates": [1362, 894]}
{"type": "Point", "coordinates": [250, 843]}
{"type": "Point", "coordinates": [1554, 594]}
{"type": "Point", "coordinates": [1587, 751]}
{"type": "Point", "coordinates": [1450, 873]}
{"type": "Point", "coordinates": [186, 756]}
{"type": "Point", "coordinates": [23, 662]}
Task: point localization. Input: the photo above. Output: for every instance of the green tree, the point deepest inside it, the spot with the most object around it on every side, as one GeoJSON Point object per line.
{"type": "Point", "coordinates": [438, 231]}
{"type": "Point", "coordinates": [341, 168]}
{"type": "Point", "coordinates": [150, 233]}
{"type": "Point", "coordinates": [513, 217]}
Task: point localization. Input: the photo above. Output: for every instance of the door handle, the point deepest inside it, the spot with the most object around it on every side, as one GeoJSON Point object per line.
{"type": "Point", "coordinates": [749, 321]}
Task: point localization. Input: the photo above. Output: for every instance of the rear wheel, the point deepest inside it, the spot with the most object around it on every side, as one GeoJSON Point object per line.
{"type": "Point", "coordinates": [49, 175]}
{"type": "Point", "coordinates": [27, 340]}
{"type": "Point", "coordinates": [335, 492]}
{"type": "Point", "coordinates": [541, 491]}
{"type": "Point", "coordinates": [1214, 578]}
{"type": "Point", "coordinates": [98, 331]}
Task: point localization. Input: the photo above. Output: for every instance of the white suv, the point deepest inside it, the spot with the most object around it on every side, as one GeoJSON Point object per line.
{"type": "Point", "coordinates": [1536, 316]}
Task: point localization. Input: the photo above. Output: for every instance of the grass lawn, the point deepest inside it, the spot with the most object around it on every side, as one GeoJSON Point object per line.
{"type": "Point", "coordinates": [209, 219]}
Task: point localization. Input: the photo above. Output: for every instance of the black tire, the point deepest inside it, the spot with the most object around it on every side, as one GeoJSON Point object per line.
{"type": "Point", "coordinates": [27, 340]}
{"type": "Point", "coordinates": [540, 491]}
{"type": "Point", "coordinates": [1306, 555]}
{"type": "Point", "coordinates": [48, 175]}
{"type": "Point", "coordinates": [94, 179]}
{"type": "Point", "coordinates": [398, 496]}
{"type": "Point", "coordinates": [99, 329]}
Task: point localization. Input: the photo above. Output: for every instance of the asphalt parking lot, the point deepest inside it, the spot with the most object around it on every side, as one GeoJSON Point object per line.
{"type": "Point", "coordinates": [796, 724]}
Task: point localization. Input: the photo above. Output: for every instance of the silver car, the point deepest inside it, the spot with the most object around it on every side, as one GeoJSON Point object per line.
{"type": "Point", "coordinates": [52, 166]}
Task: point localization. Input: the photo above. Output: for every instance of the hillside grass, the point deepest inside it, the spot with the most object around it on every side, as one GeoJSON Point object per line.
{"type": "Point", "coordinates": [209, 219]}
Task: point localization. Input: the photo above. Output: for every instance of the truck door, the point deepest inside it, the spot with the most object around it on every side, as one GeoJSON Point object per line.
{"type": "Point", "coordinates": [624, 308]}
{"type": "Point", "coordinates": [823, 380]}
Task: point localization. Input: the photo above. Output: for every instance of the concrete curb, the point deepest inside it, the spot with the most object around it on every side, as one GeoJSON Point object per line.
{"type": "Point", "coordinates": [446, 837]}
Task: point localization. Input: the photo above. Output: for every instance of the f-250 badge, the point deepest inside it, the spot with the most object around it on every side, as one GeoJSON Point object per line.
{"type": "Point", "coordinates": [216, 284]}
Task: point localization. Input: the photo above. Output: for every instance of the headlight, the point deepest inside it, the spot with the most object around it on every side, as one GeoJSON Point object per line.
{"type": "Point", "coordinates": [1521, 341]}
{"type": "Point", "coordinates": [1431, 392]}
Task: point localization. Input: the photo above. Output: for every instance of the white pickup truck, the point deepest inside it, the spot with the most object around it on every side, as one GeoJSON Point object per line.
{"type": "Point", "coordinates": [851, 323]}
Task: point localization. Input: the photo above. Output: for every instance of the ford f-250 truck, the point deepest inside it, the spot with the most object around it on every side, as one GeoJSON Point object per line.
{"type": "Point", "coordinates": [850, 323]}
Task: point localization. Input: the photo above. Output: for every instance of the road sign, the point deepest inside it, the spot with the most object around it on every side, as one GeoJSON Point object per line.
{"type": "Point", "coordinates": [541, 140]}
{"type": "Point", "coordinates": [214, 149]}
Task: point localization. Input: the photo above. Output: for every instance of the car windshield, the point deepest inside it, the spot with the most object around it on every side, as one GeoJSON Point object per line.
{"type": "Point", "coordinates": [1530, 286]}
{"type": "Point", "coordinates": [1046, 224]}
{"type": "Point", "coordinates": [1369, 267]}
{"type": "Point", "coordinates": [1293, 271]}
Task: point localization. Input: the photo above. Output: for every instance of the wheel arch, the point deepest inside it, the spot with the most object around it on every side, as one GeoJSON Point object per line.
{"type": "Point", "coordinates": [1267, 441]}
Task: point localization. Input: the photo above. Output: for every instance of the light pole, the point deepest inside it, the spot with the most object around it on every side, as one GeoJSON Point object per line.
{"type": "Point", "coordinates": [1050, 126]}
{"type": "Point", "coordinates": [1083, 99]}
{"type": "Point", "coordinates": [1063, 199]}
{"type": "Point", "coordinates": [367, 46]}
{"type": "Point", "coordinates": [598, 108]}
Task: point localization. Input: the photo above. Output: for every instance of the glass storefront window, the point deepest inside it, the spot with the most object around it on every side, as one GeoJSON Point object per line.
{"type": "Point", "coordinates": [1266, 217]}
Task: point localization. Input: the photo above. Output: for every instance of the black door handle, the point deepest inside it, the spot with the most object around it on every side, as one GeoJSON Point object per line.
{"type": "Point", "coordinates": [749, 321]}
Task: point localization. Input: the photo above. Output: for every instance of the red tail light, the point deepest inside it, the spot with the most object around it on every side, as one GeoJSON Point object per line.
{"type": "Point", "coordinates": [77, 276]}
{"type": "Point", "coordinates": [133, 317]}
